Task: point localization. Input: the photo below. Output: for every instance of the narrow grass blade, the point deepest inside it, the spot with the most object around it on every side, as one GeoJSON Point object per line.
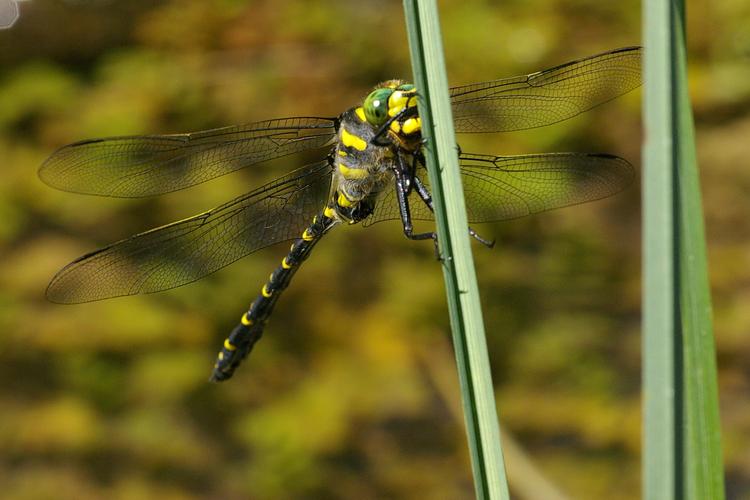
{"type": "Point", "coordinates": [681, 430]}
{"type": "Point", "coordinates": [460, 279]}
{"type": "Point", "coordinates": [704, 476]}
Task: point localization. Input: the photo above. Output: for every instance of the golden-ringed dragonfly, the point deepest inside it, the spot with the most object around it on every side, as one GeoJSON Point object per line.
{"type": "Point", "coordinates": [371, 169]}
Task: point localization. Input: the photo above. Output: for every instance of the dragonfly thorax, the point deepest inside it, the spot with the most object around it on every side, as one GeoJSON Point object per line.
{"type": "Point", "coordinates": [370, 137]}
{"type": "Point", "coordinates": [362, 168]}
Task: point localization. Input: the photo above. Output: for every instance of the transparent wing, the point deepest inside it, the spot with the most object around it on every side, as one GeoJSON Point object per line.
{"type": "Point", "coordinates": [187, 250]}
{"type": "Point", "coordinates": [548, 96]}
{"type": "Point", "coordinates": [507, 187]}
{"type": "Point", "coordinates": [136, 166]}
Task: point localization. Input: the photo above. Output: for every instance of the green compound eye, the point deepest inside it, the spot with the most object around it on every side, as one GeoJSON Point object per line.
{"type": "Point", "coordinates": [406, 87]}
{"type": "Point", "coordinates": [376, 106]}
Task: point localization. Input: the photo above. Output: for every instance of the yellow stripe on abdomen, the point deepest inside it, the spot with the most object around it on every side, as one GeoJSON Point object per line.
{"type": "Point", "coordinates": [353, 173]}
{"type": "Point", "coordinates": [343, 201]}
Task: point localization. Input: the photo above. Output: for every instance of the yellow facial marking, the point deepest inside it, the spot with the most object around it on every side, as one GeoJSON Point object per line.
{"type": "Point", "coordinates": [329, 212]}
{"type": "Point", "coordinates": [352, 141]}
{"type": "Point", "coordinates": [343, 201]}
{"type": "Point", "coordinates": [285, 264]}
{"type": "Point", "coordinates": [352, 173]}
{"type": "Point", "coordinates": [307, 236]}
{"type": "Point", "coordinates": [228, 346]}
{"type": "Point", "coordinates": [245, 320]}
{"type": "Point", "coordinates": [360, 112]}
{"type": "Point", "coordinates": [396, 103]}
{"type": "Point", "coordinates": [265, 292]}
{"type": "Point", "coordinates": [396, 127]}
{"type": "Point", "coordinates": [412, 125]}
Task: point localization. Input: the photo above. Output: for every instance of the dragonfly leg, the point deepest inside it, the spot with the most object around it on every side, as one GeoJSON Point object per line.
{"type": "Point", "coordinates": [482, 240]}
{"type": "Point", "coordinates": [403, 186]}
{"type": "Point", "coordinates": [424, 194]}
{"type": "Point", "coordinates": [403, 206]}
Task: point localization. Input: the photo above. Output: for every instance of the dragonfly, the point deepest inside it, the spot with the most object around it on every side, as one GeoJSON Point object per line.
{"type": "Point", "coordinates": [370, 168]}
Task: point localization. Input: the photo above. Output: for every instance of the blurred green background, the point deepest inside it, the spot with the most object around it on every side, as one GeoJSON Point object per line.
{"type": "Point", "coordinates": [352, 393]}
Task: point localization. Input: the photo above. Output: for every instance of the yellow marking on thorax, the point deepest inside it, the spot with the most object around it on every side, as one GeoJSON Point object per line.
{"type": "Point", "coordinates": [352, 173]}
{"type": "Point", "coordinates": [352, 141]}
{"type": "Point", "coordinates": [343, 201]}
{"type": "Point", "coordinates": [360, 112]}
{"type": "Point", "coordinates": [396, 126]}
{"type": "Point", "coordinates": [342, 153]}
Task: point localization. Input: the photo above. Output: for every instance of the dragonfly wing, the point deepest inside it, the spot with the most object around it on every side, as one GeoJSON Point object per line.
{"type": "Point", "coordinates": [548, 96]}
{"type": "Point", "coordinates": [507, 187]}
{"type": "Point", "coordinates": [136, 166]}
{"type": "Point", "coordinates": [187, 250]}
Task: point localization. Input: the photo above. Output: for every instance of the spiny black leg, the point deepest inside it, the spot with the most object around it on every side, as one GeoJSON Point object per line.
{"type": "Point", "coordinates": [483, 241]}
{"type": "Point", "coordinates": [402, 195]}
{"type": "Point", "coordinates": [403, 207]}
{"type": "Point", "coordinates": [423, 193]}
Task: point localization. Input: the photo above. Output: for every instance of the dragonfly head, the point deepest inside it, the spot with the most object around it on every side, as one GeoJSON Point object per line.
{"type": "Point", "coordinates": [396, 102]}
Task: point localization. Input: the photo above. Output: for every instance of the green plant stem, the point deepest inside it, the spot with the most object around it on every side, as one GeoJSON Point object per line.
{"type": "Point", "coordinates": [660, 436]}
{"type": "Point", "coordinates": [452, 228]}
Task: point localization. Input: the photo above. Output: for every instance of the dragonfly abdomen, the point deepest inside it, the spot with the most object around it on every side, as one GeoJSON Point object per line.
{"type": "Point", "coordinates": [243, 337]}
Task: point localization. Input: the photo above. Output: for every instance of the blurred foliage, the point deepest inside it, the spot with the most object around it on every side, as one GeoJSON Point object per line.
{"type": "Point", "coordinates": [344, 396]}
